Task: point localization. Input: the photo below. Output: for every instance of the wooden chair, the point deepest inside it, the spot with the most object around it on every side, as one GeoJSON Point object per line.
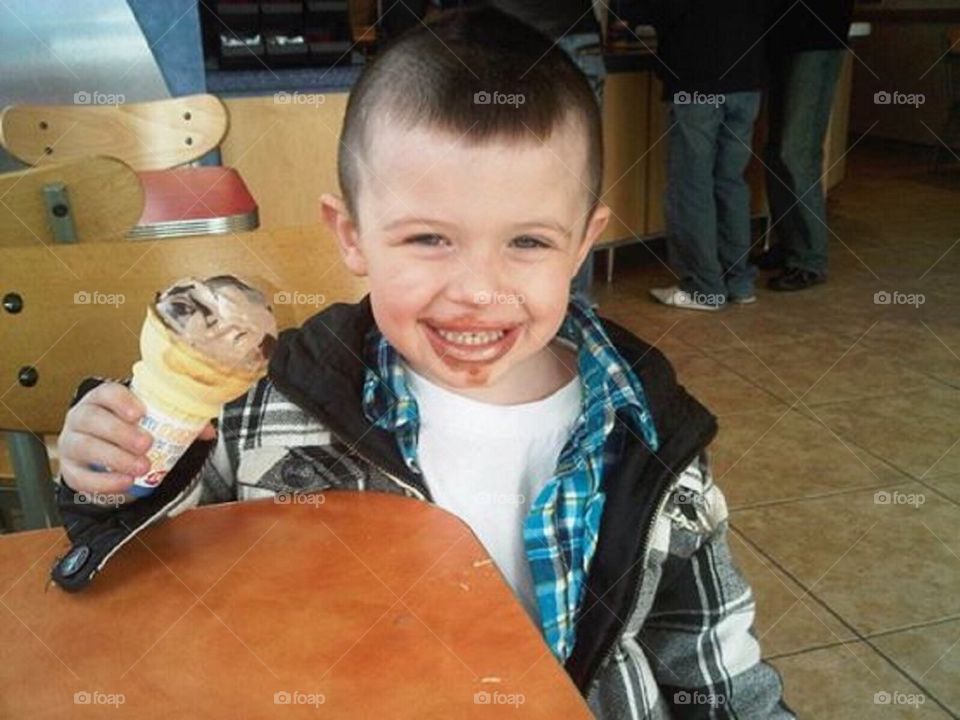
{"type": "Point", "coordinates": [69, 202]}
{"type": "Point", "coordinates": [10, 504]}
{"type": "Point", "coordinates": [79, 314]}
{"type": "Point", "coordinates": [153, 138]}
{"type": "Point", "coordinates": [146, 136]}
{"type": "Point", "coordinates": [81, 199]}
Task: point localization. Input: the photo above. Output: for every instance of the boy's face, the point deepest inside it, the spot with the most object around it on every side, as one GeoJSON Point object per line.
{"type": "Point", "coordinates": [469, 248]}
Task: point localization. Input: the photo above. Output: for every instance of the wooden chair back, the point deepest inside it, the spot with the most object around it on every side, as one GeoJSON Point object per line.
{"type": "Point", "coordinates": [147, 136]}
{"type": "Point", "coordinates": [74, 311]}
{"type": "Point", "coordinates": [105, 201]}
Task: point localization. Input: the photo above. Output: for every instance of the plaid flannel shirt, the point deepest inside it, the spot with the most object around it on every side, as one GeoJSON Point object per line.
{"type": "Point", "coordinates": [561, 529]}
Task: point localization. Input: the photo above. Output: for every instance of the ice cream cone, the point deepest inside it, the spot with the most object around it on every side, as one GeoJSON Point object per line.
{"type": "Point", "coordinates": [182, 385]}
{"type": "Point", "coordinates": [182, 381]}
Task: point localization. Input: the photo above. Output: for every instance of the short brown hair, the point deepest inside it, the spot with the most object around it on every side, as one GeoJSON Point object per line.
{"type": "Point", "coordinates": [436, 75]}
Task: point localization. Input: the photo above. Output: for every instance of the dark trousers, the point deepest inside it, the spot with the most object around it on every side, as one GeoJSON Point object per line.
{"type": "Point", "coordinates": [801, 94]}
{"type": "Point", "coordinates": [708, 199]}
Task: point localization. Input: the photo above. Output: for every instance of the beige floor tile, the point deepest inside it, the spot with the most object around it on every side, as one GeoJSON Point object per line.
{"type": "Point", "coordinates": [719, 388]}
{"type": "Point", "coordinates": [775, 456]}
{"type": "Point", "coordinates": [788, 619]}
{"type": "Point", "coordinates": [882, 560]}
{"type": "Point", "coordinates": [851, 681]}
{"type": "Point", "coordinates": [755, 326]}
{"type": "Point", "coordinates": [774, 318]}
{"type": "Point", "coordinates": [919, 263]}
{"type": "Point", "coordinates": [830, 370]}
{"type": "Point", "coordinates": [930, 656]}
{"type": "Point", "coordinates": [916, 431]}
{"type": "Point", "coordinates": [930, 346]}
{"type": "Point", "coordinates": [949, 485]}
{"type": "Point", "coordinates": [655, 331]}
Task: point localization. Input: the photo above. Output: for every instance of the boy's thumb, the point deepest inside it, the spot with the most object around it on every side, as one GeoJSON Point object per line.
{"type": "Point", "coordinates": [209, 432]}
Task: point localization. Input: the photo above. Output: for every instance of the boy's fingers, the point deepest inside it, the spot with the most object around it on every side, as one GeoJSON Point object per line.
{"type": "Point", "coordinates": [101, 422]}
{"type": "Point", "coordinates": [86, 450]}
{"type": "Point", "coordinates": [118, 398]}
{"type": "Point", "coordinates": [209, 432]}
{"type": "Point", "coordinates": [83, 480]}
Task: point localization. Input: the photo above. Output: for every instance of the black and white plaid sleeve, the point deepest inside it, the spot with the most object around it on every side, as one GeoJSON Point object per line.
{"type": "Point", "coordinates": [699, 633]}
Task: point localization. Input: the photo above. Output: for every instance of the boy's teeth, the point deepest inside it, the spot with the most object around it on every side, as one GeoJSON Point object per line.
{"type": "Point", "coordinates": [471, 338]}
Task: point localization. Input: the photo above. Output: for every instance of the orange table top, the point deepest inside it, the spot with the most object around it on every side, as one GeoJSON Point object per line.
{"type": "Point", "coordinates": [351, 605]}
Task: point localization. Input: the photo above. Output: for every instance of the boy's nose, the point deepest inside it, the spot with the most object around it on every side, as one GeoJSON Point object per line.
{"type": "Point", "coordinates": [474, 280]}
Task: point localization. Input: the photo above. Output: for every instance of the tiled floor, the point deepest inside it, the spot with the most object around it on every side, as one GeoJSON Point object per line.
{"type": "Point", "coordinates": [839, 445]}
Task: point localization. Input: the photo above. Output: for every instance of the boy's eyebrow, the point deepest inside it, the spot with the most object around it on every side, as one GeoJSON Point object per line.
{"type": "Point", "coordinates": [416, 219]}
{"type": "Point", "coordinates": [552, 224]}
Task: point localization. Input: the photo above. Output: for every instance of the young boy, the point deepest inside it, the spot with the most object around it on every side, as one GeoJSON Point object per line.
{"type": "Point", "coordinates": [470, 167]}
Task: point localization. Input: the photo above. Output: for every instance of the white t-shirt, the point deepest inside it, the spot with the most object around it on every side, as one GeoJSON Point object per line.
{"type": "Point", "coordinates": [487, 463]}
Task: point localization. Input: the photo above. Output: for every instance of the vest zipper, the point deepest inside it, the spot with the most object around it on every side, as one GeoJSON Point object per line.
{"type": "Point", "coordinates": [647, 537]}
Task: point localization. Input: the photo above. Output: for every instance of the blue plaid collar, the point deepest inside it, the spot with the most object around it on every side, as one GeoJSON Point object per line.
{"type": "Point", "coordinates": [562, 527]}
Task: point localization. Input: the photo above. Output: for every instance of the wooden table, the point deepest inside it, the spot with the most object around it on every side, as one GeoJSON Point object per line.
{"type": "Point", "coordinates": [354, 605]}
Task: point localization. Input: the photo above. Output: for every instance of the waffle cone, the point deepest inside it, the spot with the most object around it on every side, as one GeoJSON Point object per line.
{"type": "Point", "coordinates": [177, 379]}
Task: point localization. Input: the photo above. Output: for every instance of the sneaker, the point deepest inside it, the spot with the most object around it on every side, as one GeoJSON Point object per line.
{"type": "Point", "coordinates": [680, 298]}
{"type": "Point", "coordinates": [742, 299]}
{"type": "Point", "coordinates": [796, 279]}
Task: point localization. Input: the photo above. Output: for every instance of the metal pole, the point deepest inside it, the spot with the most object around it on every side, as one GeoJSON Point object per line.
{"type": "Point", "coordinates": [31, 468]}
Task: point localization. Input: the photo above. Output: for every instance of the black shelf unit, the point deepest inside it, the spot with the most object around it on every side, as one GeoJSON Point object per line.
{"type": "Point", "coordinates": [244, 35]}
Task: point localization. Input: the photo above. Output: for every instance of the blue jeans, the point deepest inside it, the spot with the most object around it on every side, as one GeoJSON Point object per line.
{"type": "Point", "coordinates": [800, 98]}
{"type": "Point", "coordinates": [578, 47]}
{"type": "Point", "coordinates": [708, 199]}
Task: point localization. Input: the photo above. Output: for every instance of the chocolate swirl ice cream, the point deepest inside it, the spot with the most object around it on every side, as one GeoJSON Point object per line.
{"type": "Point", "coordinates": [221, 317]}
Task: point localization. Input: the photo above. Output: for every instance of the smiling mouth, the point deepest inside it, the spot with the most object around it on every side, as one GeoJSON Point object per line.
{"type": "Point", "coordinates": [471, 338]}
{"type": "Point", "coordinates": [471, 345]}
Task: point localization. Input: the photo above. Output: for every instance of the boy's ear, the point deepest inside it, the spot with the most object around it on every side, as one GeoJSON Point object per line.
{"type": "Point", "coordinates": [344, 228]}
{"type": "Point", "coordinates": [596, 224]}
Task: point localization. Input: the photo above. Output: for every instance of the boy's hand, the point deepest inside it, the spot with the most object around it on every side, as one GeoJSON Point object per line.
{"type": "Point", "coordinates": [101, 431]}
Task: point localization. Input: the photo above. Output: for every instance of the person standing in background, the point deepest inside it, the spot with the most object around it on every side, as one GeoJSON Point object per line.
{"type": "Point", "coordinates": [713, 67]}
{"type": "Point", "coordinates": [575, 27]}
{"type": "Point", "coordinates": [807, 47]}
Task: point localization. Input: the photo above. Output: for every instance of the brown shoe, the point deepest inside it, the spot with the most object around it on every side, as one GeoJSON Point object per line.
{"type": "Point", "coordinates": [796, 279]}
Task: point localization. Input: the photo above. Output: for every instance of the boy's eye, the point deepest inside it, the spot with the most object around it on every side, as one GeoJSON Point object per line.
{"type": "Point", "coordinates": [528, 241]}
{"type": "Point", "coordinates": [428, 239]}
